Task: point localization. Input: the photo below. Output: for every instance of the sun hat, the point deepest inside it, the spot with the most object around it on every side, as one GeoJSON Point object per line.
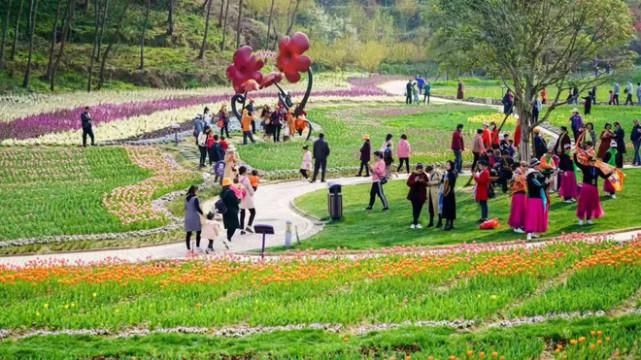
{"type": "Point", "coordinates": [534, 162]}
{"type": "Point", "coordinates": [227, 181]}
{"type": "Point", "coordinates": [575, 110]}
{"type": "Point", "coordinates": [537, 130]}
{"type": "Point", "coordinates": [366, 137]}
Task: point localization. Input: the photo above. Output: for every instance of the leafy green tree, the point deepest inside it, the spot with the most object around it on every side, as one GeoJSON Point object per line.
{"type": "Point", "coordinates": [533, 45]}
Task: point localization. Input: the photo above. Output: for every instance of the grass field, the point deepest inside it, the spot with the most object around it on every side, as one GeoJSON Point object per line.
{"type": "Point", "coordinates": [429, 131]}
{"type": "Point", "coordinates": [483, 286]}
{"type": "Point", "coordinates": [360, 229]}
{"type": "Point", "coordinates": [63, 191]}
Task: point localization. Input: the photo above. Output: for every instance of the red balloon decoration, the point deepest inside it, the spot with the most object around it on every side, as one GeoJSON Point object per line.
{"type": "Point", "coordinates": [246, 67]}
{"type": "Point", "coordinates": [271, 79]}
{"type": "Point", "coordinates": [291, 60]}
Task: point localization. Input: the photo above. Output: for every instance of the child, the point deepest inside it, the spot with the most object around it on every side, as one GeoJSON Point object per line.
{"type": "Point", "coordinates": [306, 165]}
{"type": "Point", "coordinates": [254, 179]}
{"type": "Point", "coordinates": [211, 230]}
{"type": "Point", "coordinates": [219, 171]}
{"type": "Point", "coordinates": [223, 144]}
{"type": "Point", "coordinates": [237, 189]}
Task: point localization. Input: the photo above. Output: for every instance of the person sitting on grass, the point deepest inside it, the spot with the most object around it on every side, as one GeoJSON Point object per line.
{"type": "Point", "coordinates": [379, 178]}
{"type": "Point", "coordinates": [417, 182]}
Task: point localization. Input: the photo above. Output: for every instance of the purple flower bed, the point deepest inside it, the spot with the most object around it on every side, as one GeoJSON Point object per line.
{"type": "Point", "coordinates": [68, 119]}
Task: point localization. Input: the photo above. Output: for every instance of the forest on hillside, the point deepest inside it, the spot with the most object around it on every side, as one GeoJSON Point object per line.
{"type": "Point", "coordinates": [59, 45]}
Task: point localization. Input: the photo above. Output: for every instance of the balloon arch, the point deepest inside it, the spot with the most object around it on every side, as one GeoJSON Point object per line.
{"type": "Point", "coordinates": [246, 76]}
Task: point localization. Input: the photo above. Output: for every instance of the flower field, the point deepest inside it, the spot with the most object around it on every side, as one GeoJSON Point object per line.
{"type": "Point", "coordinates": [61, 191]}
{"type": "Point", "coordinates": [358, 300]}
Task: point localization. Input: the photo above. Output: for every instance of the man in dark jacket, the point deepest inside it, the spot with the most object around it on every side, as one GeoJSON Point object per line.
{"type": "Point", "coordinates": [619, 136]}
{"type": "Point", "coordinates": [366, 150]}
{"type": "Point", "coordinates": [635, 137]}
{"type": "Point", "coordinates": [87, 130]}
{"type": "Point", "coordinates": [321, 152]}
{"type": "Point", "coordinates": [230, 217]}
{"type": "Point", "coordinates": [562, 141]}
{"type": "Point", "coordinates": [408, 92]}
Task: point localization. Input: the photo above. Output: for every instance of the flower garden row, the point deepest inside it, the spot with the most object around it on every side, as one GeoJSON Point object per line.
{"type": "Point", "coordinates": [61, 191]}
{"type": "Point", "coordinates": [383, 289]}
{"type": "Point", "coordinates": [164, 112]}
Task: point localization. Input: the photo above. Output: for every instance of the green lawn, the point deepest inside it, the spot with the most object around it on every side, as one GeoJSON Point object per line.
{"type": "Point", "coordinates": [429, 131]}
{"type": "Point", "coordinates": [360, 229]}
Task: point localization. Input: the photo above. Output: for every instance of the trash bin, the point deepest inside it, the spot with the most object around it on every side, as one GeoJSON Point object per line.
{"type": "Point", "coordinates": [335, 201]}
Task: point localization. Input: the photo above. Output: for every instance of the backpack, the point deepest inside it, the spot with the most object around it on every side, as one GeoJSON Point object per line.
{"type": "Point", "coordinates": [220, 207]}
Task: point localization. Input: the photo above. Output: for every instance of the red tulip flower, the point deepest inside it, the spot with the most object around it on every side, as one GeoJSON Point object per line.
{"type": "Point", "coordinates": [245, 67]}
{"type": "Point", "coordinates": [291, 60]}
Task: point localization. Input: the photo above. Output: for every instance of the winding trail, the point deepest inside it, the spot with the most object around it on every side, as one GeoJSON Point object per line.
{"type": "Point", "coordinates": [274, 204]}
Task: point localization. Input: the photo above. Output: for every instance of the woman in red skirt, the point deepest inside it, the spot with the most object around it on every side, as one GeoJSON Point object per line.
{"type": "Point", "coordinates": [589, 205]}
{"type": "Point", "coordinates": [537, 202]}
{"type": "Point", "coordinates": [518, 209]}
{"type": "Point", "coordinates": [569, 189]}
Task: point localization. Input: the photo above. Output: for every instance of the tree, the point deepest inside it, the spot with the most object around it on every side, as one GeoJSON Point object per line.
{"type": "Point", "coordinates": [66, 27]}
{"type": "Point", "coordinates": [371, 54]}
{"type": "Point", "coordinates": [224, 28]}
{"type": "Point", "coordinates": [142, 34]}
{"type": "Point", "coordinates": [292, 20]}
{"type": "Point", "coordinates": [33, 10]}
{"type": "Point", "coordinates": [114, 39]}
{"type": "Point", "coordinates": [5, 29]}
{"type": "Point", "coordinates": [220, 14]}
{"type": "Point", "coordinates": [16, 32]}
{"type": "Point", "coordinates": [240, 16]}
{"type": "Point", "coordinates": [94, 49]}
{"type": "Point", "coordinates": [203, 46]}
{"type": "Point", "coordinates": [533, 45]}
{"type": "Point", "coordinates": [52, 45]}
{"type": "Point", "coordinates": [171, 5]}
{"type": "Point", "coordinates": [269, 23]}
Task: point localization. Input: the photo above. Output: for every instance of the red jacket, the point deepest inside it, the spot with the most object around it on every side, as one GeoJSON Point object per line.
{"type": "Point", "coordinates": [487, 138]}
{"type": "Point", "coordinates": [495, 137]}
{"type": "Point", "coordinates": [482, 185]}
{"type": "Point", "coordinates": [457, 141]}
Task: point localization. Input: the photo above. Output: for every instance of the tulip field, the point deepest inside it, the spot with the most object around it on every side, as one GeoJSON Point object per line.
{"type": "Point", "coordinates": [568, 298]}
{"type": "Point", "coordinates": [66, 191]}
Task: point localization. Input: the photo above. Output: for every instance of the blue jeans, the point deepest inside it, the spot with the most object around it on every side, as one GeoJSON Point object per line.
{"type": "Point", "coordinates": [637, 158]}
{"type": "Point", "coordinates": [458, 160]}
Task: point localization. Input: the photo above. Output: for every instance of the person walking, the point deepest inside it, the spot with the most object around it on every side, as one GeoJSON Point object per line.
{"type": "Point", "coordinates": [214, 150]}
{"type": "Point", "coordinates": [508, 102]}
{"type": "Point", "coordinates": [306, 164]}
{"type": "Point", "coordinates": [536, 221]}
{"type": "Point", "coordinates": [247, 201]}
{"type": "Point", "coordinates": [379, 178]}
{"type": "Point", "coordinates": [321, 153]}
{"type": "Point", "coordinates": [639, 93]}
{"type": "Point", "coordinates": [193, 212]}
{"type": "Point", "coordinates": [458, 146]}
{"type": "Point", "coordinates": [478, 148]}
{"type": "Point", "coordinates": [518, 207]}
{"type": "Point", "coordinates": [207, 117]}
{"type": "Point", "coordinates": [540, 146]}
{"type": "Point", "coordinates": [427, 91]}
{"type": "Point", "coordinates": [576, 123]}
{"type": "Point", "coordinates": [606, 138]}
{"type": "Point", "coordinates": [619, 136]}
{"type": "Point", "coordinates": [433, 184]}
{"type": "Point", "coordinates": [404, 151]}
{"type": "Point", "coordinates": [230, 202]}
{"type": "Point", "coordinates": [568, 189]}
{"type": "Point", "coordinates": [277, 122]}
{"type": "Point", "coordinates": [365, 151]}
{"type": "Point", "coordinates": [460, 90]}
{"type": "Point", "coordinates": [628, 94]}
{"type": "Point", "coordinates": [246, 123]}
{"type": "Point", "coordinates": [481, 193]}
{"type": "Point", "coordinates": [587, 104]}
{"type": "Point", "coordinates": [615, 93]}
{"type": "Point", "coordinates": [449, 195]}
{"type": "Point", "coordinates": [537, 107]}
{"type": "Point", "coordinates": [417, 182]}
{"type": "Point", "coordinates": [588, 204]}
{"type": "Point", "coordinates": [408, 92]}
{"type": "Point", "coordinates": [202, 146]}
{"type": "Point", "coordinates": [635, 137]}
{"type": "Point", "coordinates": [223, 121]}
{"type": "Point", "coordinates": [87, 128]}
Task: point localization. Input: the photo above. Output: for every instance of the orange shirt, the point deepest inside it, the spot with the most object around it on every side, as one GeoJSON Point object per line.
{"type": "Point", "coordinates": [520, 184]}
{"type": "Point", "coordinates": [246, 121]}
{"type": "Point", "coordinates": [254, 180]}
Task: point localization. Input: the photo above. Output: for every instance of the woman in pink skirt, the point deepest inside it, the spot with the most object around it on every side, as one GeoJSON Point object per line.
{"type": "Point", "coordinates": [569, 189]}
{"type": "Point", "coordinates": [537, 202]}
{"type": "Point", "coordinates": [518, 209]}
{"type": "Point", "coordinates": [589, 205]}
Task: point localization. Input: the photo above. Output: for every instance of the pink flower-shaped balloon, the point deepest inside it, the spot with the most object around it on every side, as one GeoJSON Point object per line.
{"type": "Point", "coordinates": [291, 60]}
{"type": "Point", "coordinates": [245, 67]}
{"type": "Point", "coordinates": [271, 79]}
